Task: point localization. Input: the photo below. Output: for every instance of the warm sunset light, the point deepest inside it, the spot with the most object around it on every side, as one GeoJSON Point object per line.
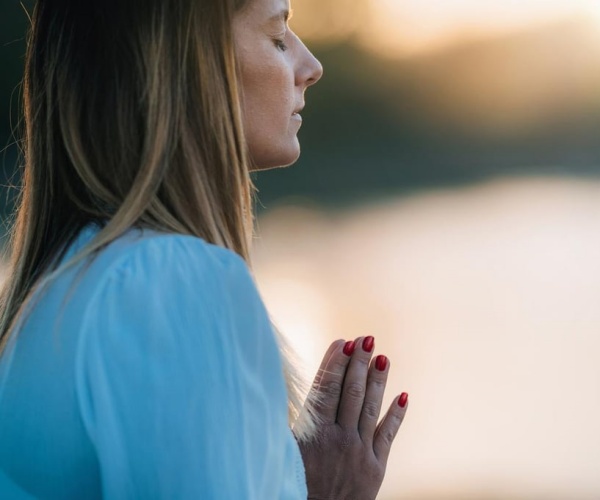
{"type": "Point", "coordinates": [409, 26]}
{"type": "Point", "coordinates": [416, 25]}
{"type": "Point", "coordinates": [485, 301]}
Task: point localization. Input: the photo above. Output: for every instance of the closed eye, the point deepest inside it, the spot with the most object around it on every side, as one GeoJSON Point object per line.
{"type": "Point", "coordinates": [280, 44]}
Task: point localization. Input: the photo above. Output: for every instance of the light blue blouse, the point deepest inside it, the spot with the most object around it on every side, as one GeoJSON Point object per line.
{"type": "Point", "coordinates": [154, 373]}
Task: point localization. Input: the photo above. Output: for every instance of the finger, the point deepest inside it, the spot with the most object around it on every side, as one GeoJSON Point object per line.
{"type": "Point", "coordinates": [388, 428]}
{"type": "Point", "coordinates": [377, 379]}
{"type": "Point", "coordinates": [326, 395]}
{"type": "Point", "coordinates": [355, 384]}
{"type": "Point", "coordinates": [334, 345]}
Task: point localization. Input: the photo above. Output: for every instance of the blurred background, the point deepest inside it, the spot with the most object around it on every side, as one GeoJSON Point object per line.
{"type": "Point", "coordinates": [447, 202]}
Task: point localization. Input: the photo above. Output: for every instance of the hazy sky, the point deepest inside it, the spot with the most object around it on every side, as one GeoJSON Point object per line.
{"type": "Point", "coordinates": [405, 26]}
{"type": "Point", "coordinates": [419, 24]}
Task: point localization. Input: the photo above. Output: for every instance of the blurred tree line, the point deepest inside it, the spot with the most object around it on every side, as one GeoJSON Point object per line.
{"type": "Point", "coordinates": [376, 125]}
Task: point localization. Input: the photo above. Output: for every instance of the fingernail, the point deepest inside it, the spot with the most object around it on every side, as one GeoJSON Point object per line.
{"type": "Point", "coordinates": [403, 400]}
{"type": "Point", "coordinates": [368, 344]}
{"type": "Point", "coordinates": [349, 347]}
{"type": "Point", "coordinates": [381, 362]}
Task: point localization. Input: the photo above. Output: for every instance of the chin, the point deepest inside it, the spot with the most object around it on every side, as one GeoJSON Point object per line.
{"type": "Point", "coordinates": [275, 159]}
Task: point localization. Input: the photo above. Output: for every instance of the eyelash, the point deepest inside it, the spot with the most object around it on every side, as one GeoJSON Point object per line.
{"type": "Point", "coordinates": [280, 44]}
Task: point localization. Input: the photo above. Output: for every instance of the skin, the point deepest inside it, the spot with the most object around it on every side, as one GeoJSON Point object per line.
{"type": "Point", "coordinates": [347, 459]}
{"type": "Point", "coordinates": [276, 68]}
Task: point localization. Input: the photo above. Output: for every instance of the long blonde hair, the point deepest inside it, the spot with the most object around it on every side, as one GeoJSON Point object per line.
{"type": "Point", "coordinates": [132, 118]}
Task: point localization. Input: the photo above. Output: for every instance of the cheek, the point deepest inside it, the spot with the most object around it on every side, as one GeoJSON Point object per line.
{"type": "Point", "coordinates": [268, 103]}
{"type": "Point", "coordinates": [267, 96]}
{"type": "Point", "coordinates": [268, 91]}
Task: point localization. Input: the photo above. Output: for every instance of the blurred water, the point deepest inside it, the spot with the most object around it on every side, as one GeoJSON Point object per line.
{"type": "Point", "coordinates": [486, 300]}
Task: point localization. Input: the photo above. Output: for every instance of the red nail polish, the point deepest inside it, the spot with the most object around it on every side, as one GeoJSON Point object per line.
{"type": "Point", "coordinates": [368, 344]}
{"type": "Point", "coordinates": [381, 362]}
{"type": "Point", "coordinates": [349, 347]}
{"type": "Point", "coordinates": [403, 400]}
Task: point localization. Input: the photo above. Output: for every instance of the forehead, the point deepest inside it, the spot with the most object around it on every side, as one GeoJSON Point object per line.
{"type": "Point", "coordinates": [266, 10]}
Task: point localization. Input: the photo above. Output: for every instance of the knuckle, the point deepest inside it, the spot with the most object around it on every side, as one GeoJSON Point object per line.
{"type": "Point", "coordinates": [355, 390]}
{"type": "Point", "coordinates": [373, 473]}
{"type": "Point", "coordinates": [377, 383]}
{"type": "Point", "coordinates": [388, 436]}
{"type": "Point", "coordinates": [371, 409]}
{"type": "Point", "coordinates": [340, 365]}
{"type": "Point", "coordinates": [363, 361]}
{"type": "Point", "coordinates": [396, 420]}
{"type": "Point", "coordinates": [378, 476]}
{"type": "Point", "coordinates": [332, 388]}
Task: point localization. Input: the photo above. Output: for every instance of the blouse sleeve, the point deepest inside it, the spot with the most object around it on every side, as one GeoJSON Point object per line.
{"type": "Point", "coordinates": [179, 377]}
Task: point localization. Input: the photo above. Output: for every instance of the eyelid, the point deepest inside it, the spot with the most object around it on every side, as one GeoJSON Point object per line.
{"type": "Point", "coordinates": [281, 45]}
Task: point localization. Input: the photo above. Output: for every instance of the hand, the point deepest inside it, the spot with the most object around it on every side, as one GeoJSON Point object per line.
{"type": "Point", "coordinates": [348, 457]}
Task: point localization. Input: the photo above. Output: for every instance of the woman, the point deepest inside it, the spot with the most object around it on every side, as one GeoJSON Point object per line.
{"type": "Point", "coordinates": [138, 359]}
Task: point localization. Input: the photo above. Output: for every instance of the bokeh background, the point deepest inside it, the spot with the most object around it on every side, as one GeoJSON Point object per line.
{"type": "Point", "coordinates": [447, 202]}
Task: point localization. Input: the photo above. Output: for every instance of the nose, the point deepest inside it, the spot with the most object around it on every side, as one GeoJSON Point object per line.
{"type": "Point", "coordinates": [310, 70]}
{"type": "Point", "coordinates": [317, 71]}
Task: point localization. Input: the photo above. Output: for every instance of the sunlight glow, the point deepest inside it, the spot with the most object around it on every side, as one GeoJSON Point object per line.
{"type": "Point", "coordinates": [409, 25]}
{"type": "Point", "coordinates": [594, 12]}
{"type": "Point", "coordinates": [485, 301]}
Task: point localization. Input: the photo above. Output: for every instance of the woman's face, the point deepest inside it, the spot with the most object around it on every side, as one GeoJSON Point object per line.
{"type": "Point", "coordinates": [276, 69]}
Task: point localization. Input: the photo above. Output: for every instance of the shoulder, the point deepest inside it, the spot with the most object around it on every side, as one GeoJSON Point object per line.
{"type": "Point", "coordinates": [150, 255]}
{"type": "Point", "coordinates": [177, 369]}
{"type": "Point", "coordinates": [170, 304]}
{"type": "Point", "coordinates": [176, 277]}
{"type": "Point", "coordinates": [145, 279]}
{"type": "Point", "coordinates": [147, 262]}
{"type": "Point", "coordinates": [178, 273]}
{"type": "Point", "coordinates": [164, 297]}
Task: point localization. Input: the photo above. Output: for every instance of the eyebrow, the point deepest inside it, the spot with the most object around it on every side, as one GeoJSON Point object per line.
{"type": "Point", "coordinates": [285, 14]}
